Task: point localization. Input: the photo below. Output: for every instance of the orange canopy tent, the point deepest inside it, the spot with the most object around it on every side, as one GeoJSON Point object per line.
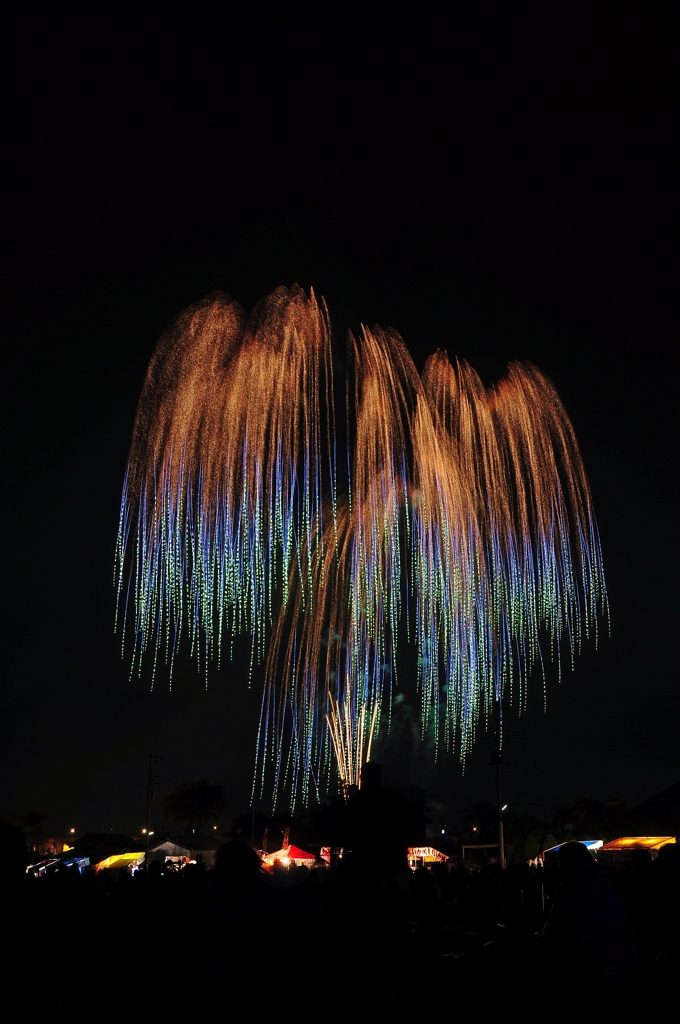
{"type": "Point", "coordinates": [639, 843]}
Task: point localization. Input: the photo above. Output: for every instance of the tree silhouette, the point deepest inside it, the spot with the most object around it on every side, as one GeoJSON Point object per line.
{"type": "Point", "coordinates": [191, 804]}
{"type": "Point", "coordinates": [32, 824]}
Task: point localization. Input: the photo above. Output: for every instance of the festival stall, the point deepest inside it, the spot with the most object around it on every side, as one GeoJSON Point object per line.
{"type": "Point", "coordinates": [289, 855]}
{"type": "Point", "coordinates": [628, 851]}
{"type": "Point", "coordinates": [425, 856]}
{"type": "Point", "coordinates": [639, 843]}
{"type": "Point", "coordinates": [121, 860]}
{"type": "Point", "coordinates": [186, 850]}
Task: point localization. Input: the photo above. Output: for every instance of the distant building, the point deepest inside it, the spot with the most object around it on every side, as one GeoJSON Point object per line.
{"type": "Point", "coordinates": [186, 849]}
{"type": "Point", "coordinates": [53, 845]}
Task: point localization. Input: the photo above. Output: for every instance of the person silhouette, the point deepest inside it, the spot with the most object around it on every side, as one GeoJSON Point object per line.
{"type": "Point", "coordinates": [378, 825]}
{"type": "Point", "coordinates": [588, 937]}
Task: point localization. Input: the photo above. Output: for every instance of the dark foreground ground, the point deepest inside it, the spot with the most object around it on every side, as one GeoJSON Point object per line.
{"type": "Point", "coordinates": [331, 942]}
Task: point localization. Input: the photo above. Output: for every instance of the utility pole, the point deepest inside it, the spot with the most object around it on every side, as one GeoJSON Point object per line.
{"type": "Point", "coordinates": [498, 759]}
{"type": "Point", "coordinates": [152, 759]}
{"type": "Point", "coordinates": [497, 756]}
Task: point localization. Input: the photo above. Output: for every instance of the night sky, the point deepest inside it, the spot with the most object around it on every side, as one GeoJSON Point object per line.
{"type": "Point", "coordinates": [498, 184]}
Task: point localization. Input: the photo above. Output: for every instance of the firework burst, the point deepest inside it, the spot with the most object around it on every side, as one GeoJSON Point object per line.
{"type": "Point", "coordinates": [467, 524]}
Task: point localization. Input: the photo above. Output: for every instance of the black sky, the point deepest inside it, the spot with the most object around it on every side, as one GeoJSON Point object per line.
{"type": "Point", "coordinates": [497, 182]}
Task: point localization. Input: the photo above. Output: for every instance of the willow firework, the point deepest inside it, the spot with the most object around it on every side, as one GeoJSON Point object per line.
{"type": "Point", "coordinates": [467, 523]}
{"type": "Point", "coordinates": [225, 471]}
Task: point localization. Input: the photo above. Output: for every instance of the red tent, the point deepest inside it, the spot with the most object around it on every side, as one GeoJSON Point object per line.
{"type": "Point", "coordinates": [290, 855]}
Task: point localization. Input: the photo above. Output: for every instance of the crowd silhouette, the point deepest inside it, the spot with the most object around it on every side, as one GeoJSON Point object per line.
{"type": "Point", "coordinates": [365, 932]}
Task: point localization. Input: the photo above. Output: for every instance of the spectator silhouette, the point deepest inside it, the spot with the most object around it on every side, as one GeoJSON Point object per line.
{"type": "Point", "coordinates": [13, 858]}
{"type": "Point", "coordinates": [658, 905]}
{"type": "Point", "coordinates": [155, 872]}
{"type": "Point", "coordinates": [378, 825]}
{"type": "Point", "coordinates": [237, 866]}
{"type": "Point", "coordinates": [371, 898]}
{"type": "Point", "coordinates": [242, 887]}
{"type": "Point", "coordinates": [588, 939]}
{"type": "Point", "coordinates": [246, 909]}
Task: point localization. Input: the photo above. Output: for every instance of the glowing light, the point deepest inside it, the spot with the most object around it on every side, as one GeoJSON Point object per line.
{"type": "Point", "coordinates": [467, 524]}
